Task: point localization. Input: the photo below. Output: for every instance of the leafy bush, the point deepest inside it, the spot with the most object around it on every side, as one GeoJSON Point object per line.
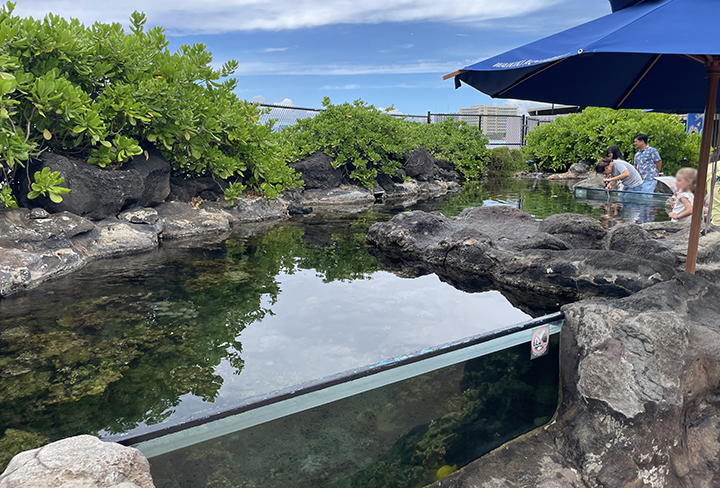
{"type": "Point", "coordinates": [7, 200]}
{"type": "Point", "coordinates": [48, 182]}
{"type": "Point", "coordinates": [586, 137]}
{"type": "Point", "coordinates": [98, 93]}
{"type": "Point", "coordinates": [505, 161]}
{"type": "Point", "coordinates": [368, 142]}
{"type": "Point", "coordinates": [457, 142]}
{"type": "Point", "coordinates": [357, 136]}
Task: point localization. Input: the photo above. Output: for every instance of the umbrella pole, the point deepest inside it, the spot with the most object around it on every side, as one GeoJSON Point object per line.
{"type": "Point", "coordinates": [712, 168]}
{"type": "Point", "coordinates": [713, 72]}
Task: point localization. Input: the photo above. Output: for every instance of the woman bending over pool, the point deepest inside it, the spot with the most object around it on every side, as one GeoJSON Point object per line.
{"type": "Point", "coordinates": [619, 170]}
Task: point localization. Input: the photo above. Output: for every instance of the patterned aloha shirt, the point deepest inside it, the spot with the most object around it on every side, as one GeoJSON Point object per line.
{"type": "Point", "coordinates": [645, 163]}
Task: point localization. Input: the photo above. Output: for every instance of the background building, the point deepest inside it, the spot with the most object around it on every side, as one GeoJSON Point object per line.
{"type": "Point", "coordinates": [491, 119]}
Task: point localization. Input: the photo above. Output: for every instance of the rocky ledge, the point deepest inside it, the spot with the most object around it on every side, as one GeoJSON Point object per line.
{"type": "Point", "coordinates": [640, 404]}
{"type": "Point", "coordinates": [129, 210]}
{"type": "Point", "coordinates": [36, 245]}
{"type": "Point", "coordinates": [81, 461]}
{"type": "Point", "coordinates": [538, 266]}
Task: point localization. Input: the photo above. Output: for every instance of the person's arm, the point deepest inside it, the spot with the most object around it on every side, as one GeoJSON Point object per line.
{"type": "Point", "coordinates": [619, 177]}
{"type": "Point", "coordinates": [686, 212]}
{"type": "Point", "coordinates": [657, 160]}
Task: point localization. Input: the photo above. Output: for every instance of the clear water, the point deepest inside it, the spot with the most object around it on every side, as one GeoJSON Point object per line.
{"type": "Point", "coordinates": [403, 435]}
{"type": "Point", "coordinates": [199, 325]}
{"type": "Point", "coordinates": [542, 198]}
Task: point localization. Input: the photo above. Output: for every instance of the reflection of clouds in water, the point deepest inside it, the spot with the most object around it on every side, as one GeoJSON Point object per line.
{"type": "Point", "coordinates": [324, 328]}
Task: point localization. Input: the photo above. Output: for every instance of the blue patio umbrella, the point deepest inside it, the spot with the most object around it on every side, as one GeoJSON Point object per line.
{"type": "Point", "coordinates": [649, 54]}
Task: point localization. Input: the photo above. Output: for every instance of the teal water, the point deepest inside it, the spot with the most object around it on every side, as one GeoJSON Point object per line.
{"type": "Point", "coordinates": [200, 325]}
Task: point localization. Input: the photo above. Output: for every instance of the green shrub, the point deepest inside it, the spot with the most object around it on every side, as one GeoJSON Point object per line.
{"type": "Point", "coordinates": [368, 142]}
{"type": "Point", "coordinates": [506, 162]}
{"type": "Point", "coordinates": [587, 135]}
{"type": "Point", "coordinates": [98, 93]}
{"type": "Point", "coordinates": [47, 182]}
{"type": "Point", "coordinates": [360, 138]}
{"type": "Point", "coordinates": [456, 142]}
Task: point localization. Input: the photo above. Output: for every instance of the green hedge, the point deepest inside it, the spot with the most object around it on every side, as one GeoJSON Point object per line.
{"type": "Point", "coordinates": [98, 93]}
{"type": "Point", "coordinates": [506, 162]}
{"type": "Point", "coordinates": [368, 142]}
{"type": "Point", "coordinates": [587, 135]}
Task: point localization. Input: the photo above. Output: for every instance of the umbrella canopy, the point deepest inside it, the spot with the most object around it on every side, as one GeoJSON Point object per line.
{"type": "Point", "coordinates": [647, 54]}
{"type": "Point", "coordinates": [621, 4]}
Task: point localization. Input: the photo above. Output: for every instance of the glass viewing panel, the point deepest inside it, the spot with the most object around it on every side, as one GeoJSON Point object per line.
{"type": "Point", "coordinates": [402, 427]}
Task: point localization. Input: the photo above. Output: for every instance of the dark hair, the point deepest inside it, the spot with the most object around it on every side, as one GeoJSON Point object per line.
{"type": "Point", "coordinates": [641, 137]}
{"type": "Point", "coordinates": [602, 164]}
{"type": "Point", "coordinates": [615, 151]}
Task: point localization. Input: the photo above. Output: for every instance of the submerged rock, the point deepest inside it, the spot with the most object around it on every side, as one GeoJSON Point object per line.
{"type": "Point", "coordinates": [639, 403]}
{"type": "Point", "coordinates": [78, 461]}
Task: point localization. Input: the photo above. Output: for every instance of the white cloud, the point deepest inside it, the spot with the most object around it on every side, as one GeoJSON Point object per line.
{"type": "Point", "coordinates": [275, 49]}
{"type": "Point", "coordinates": [259, 99]}
{"type": "Point", "coordinates": [383, 87]}
{"type": "Point", "coordinates": [407, 46]}
{"type": "Point", "coordinates": [287, 102]}
{"type": "Point", "coordinates": [213, 16]}
{"type": "Point", "coordinates": [341, 87]}
{"type": "Point", "coordinates": [524, 105]}
{"type": "Point", "coordinates": [392, 111]}
{"type": "Point", "coordinates": [419, 66]}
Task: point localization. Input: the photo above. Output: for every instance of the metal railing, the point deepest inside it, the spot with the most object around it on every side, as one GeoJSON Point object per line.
{"type": "Point", "coordinates": [501, 130]}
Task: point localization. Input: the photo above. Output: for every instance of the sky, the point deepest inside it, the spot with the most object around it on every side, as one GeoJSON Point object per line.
{"type": "Point", "coordinates": [385, 52]}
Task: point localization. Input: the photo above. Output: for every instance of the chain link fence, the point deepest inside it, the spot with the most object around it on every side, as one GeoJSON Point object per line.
{"type": "Point", "coordinates": [501, 130]}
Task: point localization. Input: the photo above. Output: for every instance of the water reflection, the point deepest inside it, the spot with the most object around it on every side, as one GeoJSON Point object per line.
{"type": "Point", "coordinates": [137, 341]}
{"type": "Point", "coordinates": [403, 435]}
{"type": "Point", "coordinates": [542, 198]}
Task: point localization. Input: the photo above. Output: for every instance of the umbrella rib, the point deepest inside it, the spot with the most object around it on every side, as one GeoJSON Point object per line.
{"type": "Point", "coordinates": [454, 73]}
{"type": "Point", "coordinates": [637, 82]}
{"type": "Point", "coordinates": [699, 59]}
{"type": "Point", "coordinates": [528, 76]}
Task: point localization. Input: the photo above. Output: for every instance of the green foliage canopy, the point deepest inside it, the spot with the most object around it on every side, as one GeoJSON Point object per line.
{"type": "Point", "coordinates": [587, 135]}
{"type": "Point", "coordinates": [98, 93]}
{"type": "Point", "coordinates": [368, 142]}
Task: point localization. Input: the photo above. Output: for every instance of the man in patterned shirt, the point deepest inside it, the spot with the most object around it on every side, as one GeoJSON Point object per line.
{"type": "Point", "coordinates": [648, 163]}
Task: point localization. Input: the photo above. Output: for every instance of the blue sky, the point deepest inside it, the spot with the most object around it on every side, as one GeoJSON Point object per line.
{"type": "Point", "coordinates": [387, 52]}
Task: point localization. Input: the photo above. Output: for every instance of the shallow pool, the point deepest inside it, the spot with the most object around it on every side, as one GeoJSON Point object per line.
{"type": "Point", "coordinates": [200, 325]}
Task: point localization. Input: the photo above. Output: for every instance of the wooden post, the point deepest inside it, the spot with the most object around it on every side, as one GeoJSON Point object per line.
{"type": "Point", "coordinates": [713, 72]}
